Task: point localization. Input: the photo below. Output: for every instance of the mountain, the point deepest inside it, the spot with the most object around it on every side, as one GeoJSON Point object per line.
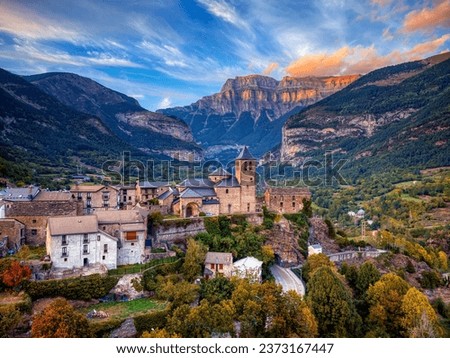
{"type": "Point", "coordinates": [39, 132]}
{"type": "Point", "coordinates": [150, 132]}
{"type": "Point", "coordinates": [251, 110]}
{"type": "Point", "coordinates": [397, 116]}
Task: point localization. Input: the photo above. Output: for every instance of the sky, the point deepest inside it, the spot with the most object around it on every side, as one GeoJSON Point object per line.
{"type": "Point", "coordinates": [168, 53]}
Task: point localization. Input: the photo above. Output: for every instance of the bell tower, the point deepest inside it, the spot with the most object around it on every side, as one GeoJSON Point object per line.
{"type": "Point", "coordinates": [245, 168]}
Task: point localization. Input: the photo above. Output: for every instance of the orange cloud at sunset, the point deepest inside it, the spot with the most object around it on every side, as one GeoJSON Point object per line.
{"type": "Point", "coordinates": [268, 70]}
{"type": "Point", "coordinates": [428, 18]}
{"type": "Point", "coordinates": [358, 60]}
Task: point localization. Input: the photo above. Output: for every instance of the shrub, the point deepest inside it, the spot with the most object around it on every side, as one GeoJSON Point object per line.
{"type": "Point", "coordinates": [150, 321]}
{"type": "Point", "coordinates": [80, 288]}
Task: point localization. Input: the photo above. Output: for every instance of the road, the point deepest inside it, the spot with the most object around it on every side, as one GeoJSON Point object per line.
{"type": "Point", "coordinates": [287, 279]}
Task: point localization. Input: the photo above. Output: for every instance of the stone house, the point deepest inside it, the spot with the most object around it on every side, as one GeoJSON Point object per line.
{"type": "Point", "coordinates": [96, 197]}
{"type": "Point", "coordinates": [285, 199]}
{"type": "Point", "coordinates": [76, 241]}
{"type": "Point", "coordinates": [218, 264]}
{"type": "Point", "coordinates": [314, 249]}
{"type": "Point", "coordinates": [146, 191]}
{"type": "Point", "coordinates": [13, 231]}
{"type": "Point", "coordinates": [129, 227]}
{"type": "Point", "coordinates": [126, 196]}
{"type": "Point", "coordinates": [34, 213]}
{"type": "Point", "coordinates": [249, 268]}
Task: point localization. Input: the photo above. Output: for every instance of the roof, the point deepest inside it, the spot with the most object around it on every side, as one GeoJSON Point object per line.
{"type": "Point", "coordinates": [196, 183]}
{"type": "Point", "coordinates": [67, 225]}
{"type": "Point", "coordinates": [245, 154]}
{"type": "Point", "coordinates": [190, 193]}
{"type": "Point", "coordinates": [119, 216]}
{"type": "Point", "coordinates": [220, 172]}
{"type": "Point", "coordinates": [133, 227]}
{"type": "Point", "coordinates": [21, 194]}
{"type": "Point", "coordinates": [316, 246]}
{"type": "Point", "coordinates": [166, 194]}
{"type": "Point", "coordinates": [54, 196]}
{"type": "Point", "coordinates": [248, 263]}
{"type": "Point", "coordinates": [89, 188]}
{"type": "Point", "coordinates": [228, 183]}
{"type": "Point", "coordinates": [153, 184]}
{"type": "Point", "coordinates": [219, 257]}
{"type": "Point", "coordinates": [205, 192]}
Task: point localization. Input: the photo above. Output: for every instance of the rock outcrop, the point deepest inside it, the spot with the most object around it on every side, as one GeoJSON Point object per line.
{"type": "Point", "coordinates": [252, 109]}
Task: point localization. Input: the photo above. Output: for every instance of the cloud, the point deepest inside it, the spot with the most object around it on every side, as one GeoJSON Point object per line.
{"type": "Point", "coordinates": [381, 2]}
{"type": "Point", "coordinates": [27, 24]}
{"type": "Point", "coordinates": [387, 35]}
{"type": "Point", "coordinates": [170, 55]}
{"type": "Point", "coordinates": [270, 68]}
{"type": "Point", "coordinates": [428, 18]}
{"type": "Point", "coordinates": [223, 11]}
{"type": "Point", "coordinates": [359, 59]}
{"type": "Point", "coordinates": [165, 103]}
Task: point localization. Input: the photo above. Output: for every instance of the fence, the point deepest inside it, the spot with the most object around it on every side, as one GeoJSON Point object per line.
{"type": "Point", "coordinates": [140, 268]}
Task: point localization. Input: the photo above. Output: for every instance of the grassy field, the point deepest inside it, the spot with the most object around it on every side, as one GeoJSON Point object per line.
{"type": "Point", "coordinates": [122, 310]}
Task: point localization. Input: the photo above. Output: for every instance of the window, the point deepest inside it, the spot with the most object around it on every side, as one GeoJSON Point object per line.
{"type": "Point", "coordinates": [106, 204]}
{"type": "Point", "coordinates": [220, 266]}
{"type": "Point", "coordinates": [64, 252]}
{"type": "Point", "coordinates": [105, 248]}
{"type": "Point", "coordinates": [64, 240]}
{"type": "Point", "coordinates": [34, 221]}
{"type": "Point", "coordinates": [98, 237]}
{"type": "Point", "coordinates": [248, 207]}
{"type": "Point", "coordinates": [281, 204]}
{"type": "Point", "coordinates": [85, 238]}
{"type": "Point", "coordinates": [293, 204]}
{"type": "Point", "coordinates": [130, 235]}
{"type": "Point", "coordinates": [103, 257]}
{"type": "Point", "coordinates": [34, 232]}
{"type": "Point", "coordinates": [129, 198]}
{"type": "Point", "coordinates": [88, 203]}
{"type": "Point", "coordinates": [85, 249]}
{"type": "Point", "coordinates": [89, 195]}
{"type": "Point", "coordinates": [124, 198]}
{"type": "Point", "coordinates": [226, 191]}
{"type": "Point", "coordinates": [212, 267]}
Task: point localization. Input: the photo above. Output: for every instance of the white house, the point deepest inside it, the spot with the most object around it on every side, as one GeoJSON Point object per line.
{"type": "Point", "coordinates": [129, 227]}
{"type": "Point", "coordinates": [248, 267]}
{"type": "Point", "coordinates": [218, 264]}
{"type": "Point", "coordinates": [76, 241]}
{"type": "Point", "coordinates": [314, 249]}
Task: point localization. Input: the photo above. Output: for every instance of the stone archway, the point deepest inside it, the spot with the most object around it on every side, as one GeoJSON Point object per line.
{"type": "Point", "coordinates": [192, 210]}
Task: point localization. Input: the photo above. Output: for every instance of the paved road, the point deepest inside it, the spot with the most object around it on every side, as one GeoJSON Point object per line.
{"type": "Point", "coordinates": [287, 279]}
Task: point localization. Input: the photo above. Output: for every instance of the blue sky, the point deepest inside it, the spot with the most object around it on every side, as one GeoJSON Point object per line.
{"type": "Point", "coordinates": [169, 53]}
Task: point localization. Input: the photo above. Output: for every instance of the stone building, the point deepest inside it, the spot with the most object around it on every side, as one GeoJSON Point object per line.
{"type": "Point", "coordinates": [129, 227]}
{"type": "Point", "coordinates": [34, 213]}
{"type": "Point", "coordinates": [218, 264]}
{"type": "Point", "coordinates": [148, 190]}
{"type": "Point", "coordinates": [285, 199]}
{"type": "Point", "coordinates": [126, 196]}
{"type": "Point", "coordinates": [96, 197]}
{"type": "Point", "coordinates": [221, 193]}
{"type": "Point", "coordinates": [76, 241]}
{"type": "Point", "coordinates": [13, 231]}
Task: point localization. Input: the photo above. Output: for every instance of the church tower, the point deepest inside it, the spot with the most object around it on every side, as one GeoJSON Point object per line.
{"type": "Point", "coordinates": [245, 167]}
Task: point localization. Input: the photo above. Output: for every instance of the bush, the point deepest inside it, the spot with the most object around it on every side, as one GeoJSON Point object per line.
{"type": "Point", "coordinates": [102, 329]}
{"type": "Point", "coordinates": [80, 288]}
{"type": "Point", "coordinates": [149, 321]}
{"type": "Point", "coordinates": [430, 280]}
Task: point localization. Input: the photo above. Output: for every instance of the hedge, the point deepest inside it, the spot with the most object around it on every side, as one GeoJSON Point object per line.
{"type": "Point", "coordinates": [79, 288]}
{"type": "Point", "coordinates": [149, 321]}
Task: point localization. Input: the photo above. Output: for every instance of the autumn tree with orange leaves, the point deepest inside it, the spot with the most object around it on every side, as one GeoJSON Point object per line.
{"type": "Point", "coordinates": [15, 274]}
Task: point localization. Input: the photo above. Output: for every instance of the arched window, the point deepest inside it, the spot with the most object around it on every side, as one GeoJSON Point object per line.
{"type": "Point", "coordinates": [226, 191]}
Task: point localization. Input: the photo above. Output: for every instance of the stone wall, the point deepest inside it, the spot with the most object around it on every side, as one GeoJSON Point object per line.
{"type": "Point", "coordinates": [173, 230]}
{"type": "Point", "coordinates": [14, 231]}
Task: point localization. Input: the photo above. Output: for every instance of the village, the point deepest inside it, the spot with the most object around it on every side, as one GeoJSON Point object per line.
{"type": "Point", "coordinates": [95, 228]}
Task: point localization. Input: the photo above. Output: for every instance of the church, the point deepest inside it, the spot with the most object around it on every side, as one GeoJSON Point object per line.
{"type": "Point", "coordinates": [221, 193]}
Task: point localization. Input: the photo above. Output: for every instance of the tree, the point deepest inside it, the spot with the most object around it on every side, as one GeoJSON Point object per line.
{"type": "Point", "coordinates": [194, 259]}
{"type": "Point", "coordinates": [307, 209]}
{"type": "Point", "coordinates": [385, 300]}
{"type": "Point", "coordinates": [216, 289]}
{"type": "Point", "coordinates": [367, 275]}
{"type": "Point", "coordinates": [178, 293]}
{"type": "Point", "coordinates": [159, 333]}
{"type": "Point", "coordinates": [10, 318]}
{"type": "Point", "coordinates": [332, 304]}
{"type": "Point", "coordinates": [60, 320]}
{"type": "Point", "coordinates": [419, 319]}
{"type": "Point", "coordinates": [15, 274]}
{"type": "Point", "coordinates": [313, 263]}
